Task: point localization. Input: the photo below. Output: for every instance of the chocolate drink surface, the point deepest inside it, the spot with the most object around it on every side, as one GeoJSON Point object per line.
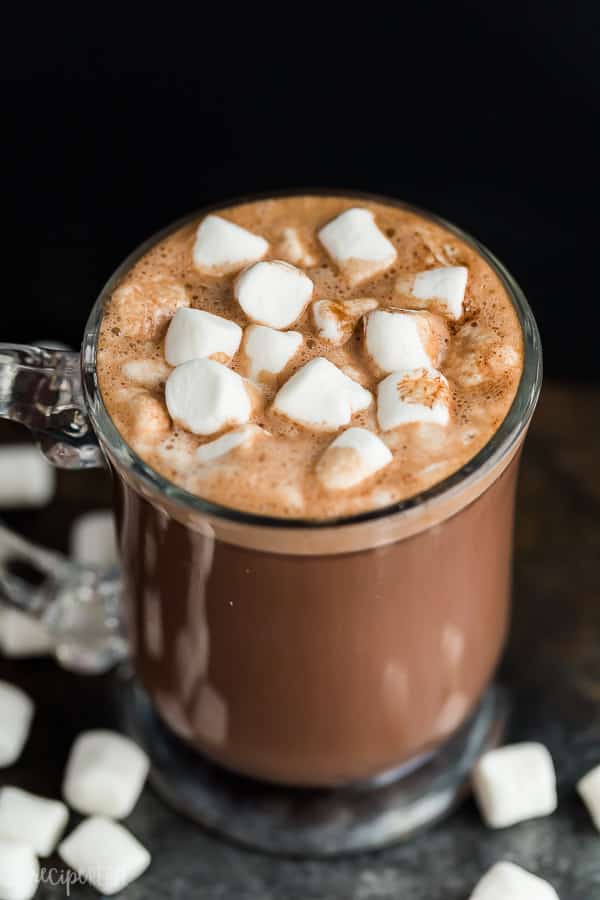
{"type": "Point", "coordinates": [375, 323]}
{"type": "Point", "coordinates": [231, 361]}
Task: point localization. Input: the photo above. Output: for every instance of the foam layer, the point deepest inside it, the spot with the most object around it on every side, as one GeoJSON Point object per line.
{"type": "Point", "coordinates": [481, 358]}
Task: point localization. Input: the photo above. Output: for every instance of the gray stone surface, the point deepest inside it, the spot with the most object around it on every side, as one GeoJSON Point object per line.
{"type": "Point", "coordinates": [552, 667]}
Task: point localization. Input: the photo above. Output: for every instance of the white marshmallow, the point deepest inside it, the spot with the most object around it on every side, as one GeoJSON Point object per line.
{"type": "Point", "coordinates": [26, 478]}
{"type": "Point", "coordinates": [242, 437]}
{"type": "Point", "coordinates": [446, 285]}
{"type": "Point", "coordinates": [205, 397]}
{"type": "Point", "coordinates": [413, 395]}
{"type": "Point", "coordinates": [292, 248]}
{"type": "Point", "coordinates": [506, 881]}
{"type": "Point", "coordinates": [335, 320]}
{"type": "Point", "coordinates": [93, 539]}
{"type": "Point", "coordinates": [354, 455]}
{"type": "Point", "coordinates": [321, 397]}
{"type": "Point", "coordinates": [105, 854]}
{"type": "Point", "coordinates": [357, 245]}
{"type": "Point", "coordinates": [16, 713]}
{"type": "Point", "coordinates": [268, 350]}
{"type": "Point", "coordinates": [196, 334]}
{"type": "Point", "coordinates": [515, 783]}
{"type": "Point", "coordinates": [19, 871]}
{"type": "Point", "coordinates": [105, 774]}
{"type": "Point", "coordinates": [149, 373]}
{"type": "Point", "coordinates": [394, 341]}
{"type": "Point", "coordinates": [273, 293]}
{"type": "Point", "coordinates": [222, 246]}
{"type": "Point", "coordinates": [22, 636]}
{"type": "Point", "coordinates": [588, 789]}
{"type": "Point", "coordinates": [32, 820]}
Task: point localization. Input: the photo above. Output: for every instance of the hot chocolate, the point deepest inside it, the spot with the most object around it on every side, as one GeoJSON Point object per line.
{"type": "Point", "coordinates": [310, 358]}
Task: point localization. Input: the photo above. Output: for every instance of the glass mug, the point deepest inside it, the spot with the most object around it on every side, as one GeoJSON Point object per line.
{"type": "Point", "coordinates": [302, 687]}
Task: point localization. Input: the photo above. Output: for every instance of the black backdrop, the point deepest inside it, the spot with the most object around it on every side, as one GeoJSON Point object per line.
{"type": "Point", "coordinates": [114, 126]}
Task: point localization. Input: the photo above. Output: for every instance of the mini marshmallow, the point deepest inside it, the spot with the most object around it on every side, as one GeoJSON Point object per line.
{"type": "Point", "coordinates": [350, 458]}
{"type": "Point", "coordinates": [144, 309]}
{"type": "Point", "coordinates": [19, 871]}
{"type": "Point", "coordinates": [356, 244]}
{"type": "Point", "coordinates": [413, 395]}
{"type": "Point", "coordinates": [292, 248]}
{"type": "Point", "coordinates": [26, 478]}
{"type": "Point", "coordinates": [93, 539]}
{"type": "Point", "coordinates": [242, 437]}
{"type": "Point", "coordinates": [16, 713]}
{"type": "Point", "coordinates": [445, 285]}
{"type": "Point", "coordinates": [269, 351]}
{"type": "Point", "coordinates": [321, 397]}
{"type": "Point", "coordinates": [32, 820]}
{"type": "Point", "coordinates": [196, 334]}
{"type": "Point", "coordinates": [396, 340]}
{"type": "Point", "coordinates": [105, 774]}
{"type": "Point", "coordinates": [588, 789]}
{"type": "Point", "coordinates": [105, 854]}
{"type": "Point", "coordinates": [148, 373]}
{"type": "Point", "coordinates": [145, 418]}
{"type": "Point", "coordinates": [506, 881]}
{"type": "Point", "coordinates": [222, 246]}
{"type": "Point", "coordinates": [22, 636]}
{"type": "Point", "coordinates": [205, 397]}
{"type": "Point", "coordinates": [335, 320]}
{"type": "Point", "coordinates": [273, 293]}
{"type": "Point", "coordinates": [515, 783]}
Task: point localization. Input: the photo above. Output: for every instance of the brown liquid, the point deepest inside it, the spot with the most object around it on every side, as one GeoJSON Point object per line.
{"type": "Point", "coordinates": [318, 670]}
{"type": "Point", "coordinates": [481, 358]}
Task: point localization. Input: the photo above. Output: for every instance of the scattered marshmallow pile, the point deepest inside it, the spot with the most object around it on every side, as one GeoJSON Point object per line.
{"type": "Point", "coordinates": [403, 347]}
{"type": "Point", "coordinates": [104, 778]}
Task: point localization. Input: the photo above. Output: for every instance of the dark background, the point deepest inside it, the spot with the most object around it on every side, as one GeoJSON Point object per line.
{"type": "Point", "coordinates": [485, 114]}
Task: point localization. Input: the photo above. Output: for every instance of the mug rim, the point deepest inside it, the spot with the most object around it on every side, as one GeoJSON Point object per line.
{"type": "Point", "coordinates": [504, 439]}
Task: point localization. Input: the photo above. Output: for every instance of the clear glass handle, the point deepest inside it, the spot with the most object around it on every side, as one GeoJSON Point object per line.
{"type": "Point", "coordinates": [42, 389]}
{"type": "Point", "coordinates": [81, 606]}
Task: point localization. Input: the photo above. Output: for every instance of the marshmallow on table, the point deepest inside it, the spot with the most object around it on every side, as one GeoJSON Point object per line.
{"type": "Point", "coordinates": [444, 286]}
{"type": "Point", "coordinates": [105, 774]}
{"type": "Point", "coordinates": [16, 713]}
{"type": "Point", "coordinates": [105, 854]}
{"type": "Point", "coordinates": [353, 456]}
{"type": "Point", "coordinates": [506, 881]}
{"type": "Point", "coordinates": [26, 477]}
{"type": "Point", "coordinates": [273, 293]}
{"type": "Point", "coordinates": [32, 820]}
{"type": "Point", "coordinates": [93, 539]}
{"type": "Point", "coordinates": [19, 871]}
{"type": "Point", "coordinates": [356, 244]}
{"type": "Point", "coordinates": [195, 334]}
{"type": "Point", "coordinates": [22, 636]}
{"type": "Point", "coordinates": [335, 320]}
{"type": "Point", "coordinates": [149, 373]}
{"type": "Point", "coordinates": [413, 395]}
{"type": "Point", "coordinates": [515, 783]}
{"type": "Point", "coordinates": [321, 397]}
{"type": "Point", "coordinates": [221, 246]}
{"type": "Point", "coordinates": [205, 397]}
{"type": "Point", "coordinates": [292, 248]}
{"type": "Point", "coordinates": [398, 340]}
{"type": "Point", "coordinates": [242, 437]}
{"type": "Point", "coordinates": [588, 789]}
{"type": "Point", "coordinates": [269, 351]}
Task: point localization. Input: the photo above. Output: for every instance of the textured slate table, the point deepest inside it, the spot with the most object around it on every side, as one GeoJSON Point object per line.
{"type": "Point", "coordinates": [552, 667]}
